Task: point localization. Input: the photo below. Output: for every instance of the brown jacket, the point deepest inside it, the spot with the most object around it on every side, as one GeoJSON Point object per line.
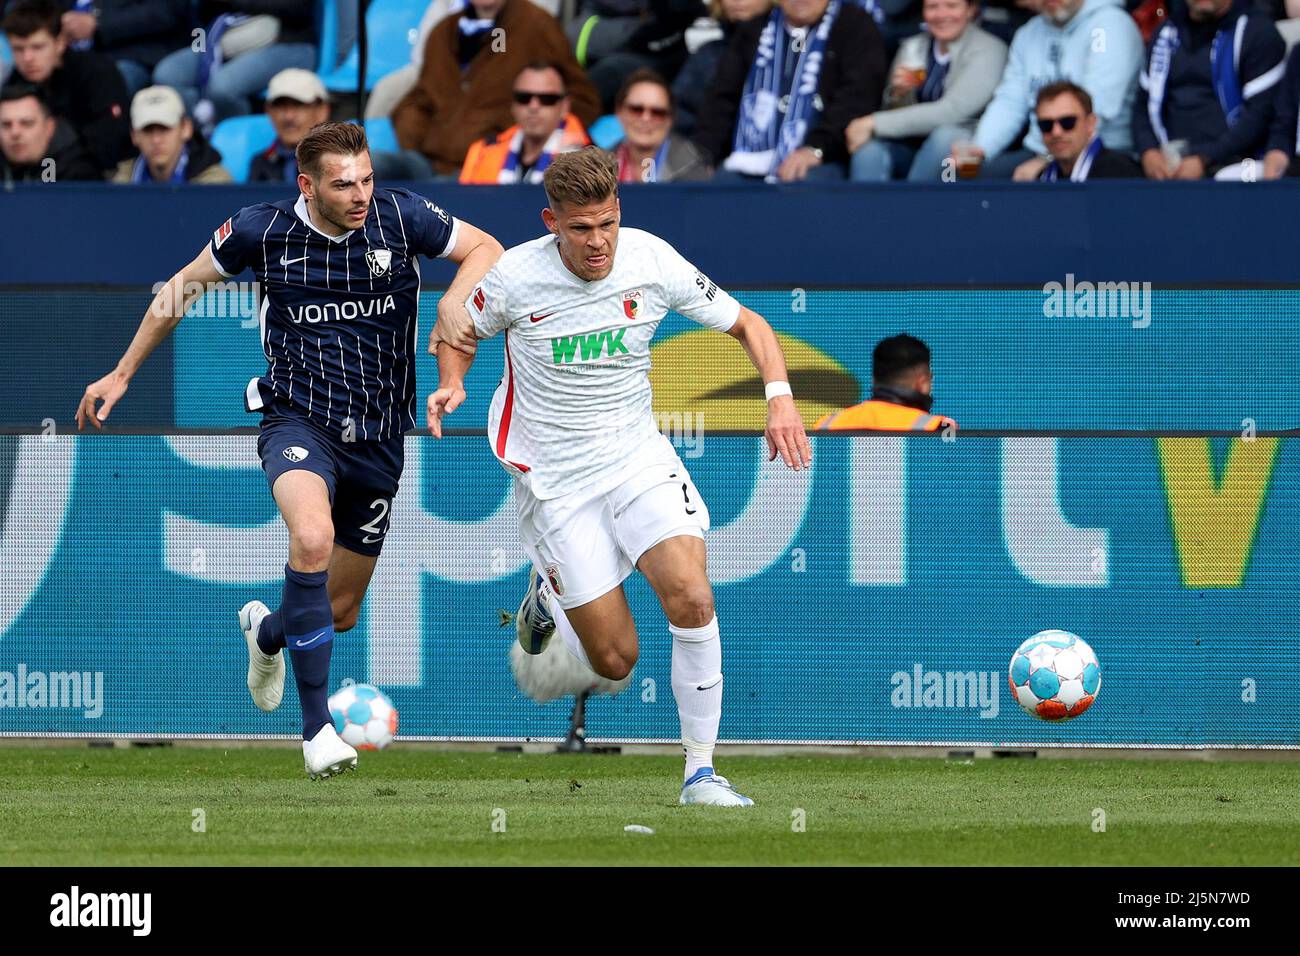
{"type": "Point", "coordinates": [448, 110]}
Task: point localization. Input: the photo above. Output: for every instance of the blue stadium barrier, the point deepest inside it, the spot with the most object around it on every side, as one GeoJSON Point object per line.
{"type": "Point", "coordinates": [833, 236]}
{"type": "Point", "coordinates": [391, 27]}
{"type": "Point", "coordinates": [239, 139]}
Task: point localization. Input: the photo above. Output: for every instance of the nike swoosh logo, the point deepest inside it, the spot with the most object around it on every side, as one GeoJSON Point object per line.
{"type": "Point", "coordinates": [533, 316]}
{"type": "Point", "coordinates": [316, 638]}
{"type": "Point", "coordinates": [369, 540]}
{"type": "Point", "coordinates": [289, 262]}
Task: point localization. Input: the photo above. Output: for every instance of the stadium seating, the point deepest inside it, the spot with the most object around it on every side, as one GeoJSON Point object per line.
{"type": "Point", "coordinates": [327, 24]}
{"type": "Point", "coordinates": [328, 21]}
{"type": "Point", "coordinates": [381, 135]}
{"type": "Point", "coordinates": [238, 139]}
{"type": "Point", "coordinates": [391, 27]}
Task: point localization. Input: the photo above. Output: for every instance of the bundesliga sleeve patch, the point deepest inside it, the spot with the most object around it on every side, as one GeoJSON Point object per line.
{"type": "Point", "coordinates": [222, 234]}
{"type": "Point", "coordinates": [478, 299]}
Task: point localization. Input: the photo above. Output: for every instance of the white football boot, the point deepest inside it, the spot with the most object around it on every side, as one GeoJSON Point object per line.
{"type": "Point", "coordinates": [533, 624]}
{"type": "Point", "coordinates": [710, 789]}
{"type": "Point", "coordinates": [265, 674]}
{"type": "Point", "coordinates": [326, 755]}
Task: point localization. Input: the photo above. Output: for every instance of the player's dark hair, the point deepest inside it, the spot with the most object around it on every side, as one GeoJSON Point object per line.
{"type": "Point", "coordinates": [21, 91]}
{"type": "Point", "coordinates": [539, 65]}
{"type": "Point", "coordinates": [30, 16]}
{"type": "Point", "coordinates": [898, 357]}
{"type": "Point", "coordinates": [644, 75]}
{"type": "Point", "coordinates": [580, 178]}
{"type": "Point", "coordinates": [1063, 88]}
{"type": "Point", "coordinates": [344, 139]}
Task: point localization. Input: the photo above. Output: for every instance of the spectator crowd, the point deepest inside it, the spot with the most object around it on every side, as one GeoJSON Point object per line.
{"type": "Point", "coordinates": [680, 90]}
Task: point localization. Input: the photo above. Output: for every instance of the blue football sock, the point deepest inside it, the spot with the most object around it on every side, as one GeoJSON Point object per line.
{"type": "Point", "coordinates": [270, 633]}
{"type": "Point", "coordinates": [308, 627]}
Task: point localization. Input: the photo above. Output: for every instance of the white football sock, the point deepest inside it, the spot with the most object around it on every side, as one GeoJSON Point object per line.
{"type": "Point", "coordinates": [697, 685]}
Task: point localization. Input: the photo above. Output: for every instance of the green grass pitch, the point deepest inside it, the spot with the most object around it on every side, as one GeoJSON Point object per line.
{"type": "Point", "coordinates": [73, 806]}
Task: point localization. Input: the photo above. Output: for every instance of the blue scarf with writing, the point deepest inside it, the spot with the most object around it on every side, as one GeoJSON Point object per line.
{"type": "Point", "coordinates": [765, 137]}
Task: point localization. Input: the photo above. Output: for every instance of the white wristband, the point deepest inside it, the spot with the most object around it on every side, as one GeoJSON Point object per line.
{"type": "Point", "coordinates": [773, 389]}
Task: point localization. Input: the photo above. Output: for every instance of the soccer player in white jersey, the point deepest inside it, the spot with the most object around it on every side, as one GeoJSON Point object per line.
{"type": "Point", "coordinates": [599, 490]}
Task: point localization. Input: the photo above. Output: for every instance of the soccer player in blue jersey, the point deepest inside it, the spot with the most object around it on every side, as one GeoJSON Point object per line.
{"type": "Point", "coordinates": [339, 286]}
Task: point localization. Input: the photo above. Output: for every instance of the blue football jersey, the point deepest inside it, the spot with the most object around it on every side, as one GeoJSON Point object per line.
{"type": "Point", "coordinates": [338, 314]}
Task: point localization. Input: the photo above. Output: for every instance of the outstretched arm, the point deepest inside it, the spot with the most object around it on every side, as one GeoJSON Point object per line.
{"type": "Point", "coordinates": [165, 312]}
{"type": "Point", "coordinates": [785, 433]}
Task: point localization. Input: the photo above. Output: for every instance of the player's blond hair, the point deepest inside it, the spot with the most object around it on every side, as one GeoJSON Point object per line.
{"type": "Point", "coordinates": [344, 139]}
{"type": "Point", "coordinates": [581, 178]}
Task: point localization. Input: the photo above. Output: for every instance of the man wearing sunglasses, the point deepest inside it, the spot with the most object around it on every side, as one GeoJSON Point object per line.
{"type": "Point", "coordinates": [472, 62]}
{"type": "Point", "coordinates": [1076, 153]}
{"type": "Point", "coordinates": [543, 128]}
{"type": "Point", "coordinates": [1093, 42]}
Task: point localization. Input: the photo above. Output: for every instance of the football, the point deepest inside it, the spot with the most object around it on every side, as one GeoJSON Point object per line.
{"type": "Point", "coordinates": [364, 716]}
{"type": "Point", "coordinates": [1055, 675]}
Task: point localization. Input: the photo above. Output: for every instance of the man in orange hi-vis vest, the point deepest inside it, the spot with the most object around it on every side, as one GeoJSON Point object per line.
{"type": "Point", "coordinates": [543, 128]}
{"type": "Point", "coordinates": [900, 392]}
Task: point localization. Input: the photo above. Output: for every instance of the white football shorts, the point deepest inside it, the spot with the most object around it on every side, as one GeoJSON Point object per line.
{"type": "Point", "coordinates": [585, 543]}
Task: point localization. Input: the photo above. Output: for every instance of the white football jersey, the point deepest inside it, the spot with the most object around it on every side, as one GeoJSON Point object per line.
{"type": "Point", "coordinates": [573, 407]}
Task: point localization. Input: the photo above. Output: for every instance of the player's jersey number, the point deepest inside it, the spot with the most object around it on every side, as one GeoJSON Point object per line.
{"type": "Point", "coordinates": [373, 527]}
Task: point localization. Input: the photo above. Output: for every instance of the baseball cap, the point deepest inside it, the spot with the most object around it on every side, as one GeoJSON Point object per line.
{"type": "Point", "coordinates": [294, 84]}
{"type": "Point", "coordinates": [157, 105]}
